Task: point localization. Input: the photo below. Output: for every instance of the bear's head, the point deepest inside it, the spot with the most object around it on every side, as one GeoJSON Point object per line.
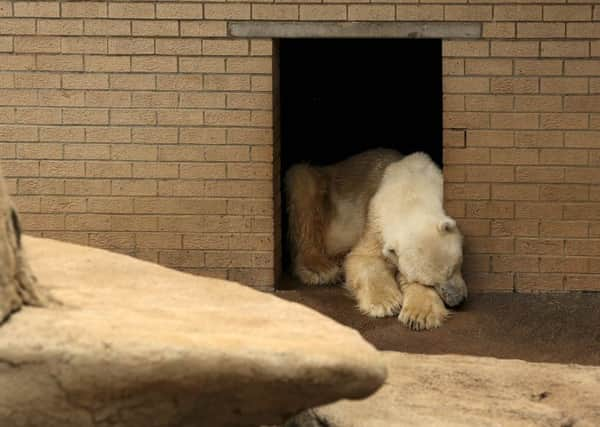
{"type": "Point", "coordinates": [430, 252]}
{"type": "Point", "coordinates": [416, 233]}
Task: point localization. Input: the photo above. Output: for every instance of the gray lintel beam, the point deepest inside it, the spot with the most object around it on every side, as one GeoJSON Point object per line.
{"type": "Point", "coordinates": [280, 30]}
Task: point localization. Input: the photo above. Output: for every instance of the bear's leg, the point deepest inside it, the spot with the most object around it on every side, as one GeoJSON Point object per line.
{"type": "Point", "coordinates": [308, 213]}
{"type": "Point", "coordinates": [422, 307]}
{"type": "Point", "coordinates": [370, 279]}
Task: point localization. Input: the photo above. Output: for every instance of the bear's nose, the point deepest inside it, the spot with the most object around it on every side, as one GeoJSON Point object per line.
{"type": "Point", "coordinates": [454, 302]}
{"type": "Point", "coordinates": [452, 297]}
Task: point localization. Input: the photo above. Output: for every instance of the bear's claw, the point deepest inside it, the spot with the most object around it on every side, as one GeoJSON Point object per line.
{"type": "Point", "coordinates": [423, 309]}
{"type": "Point", "coordinates": [383, 303]}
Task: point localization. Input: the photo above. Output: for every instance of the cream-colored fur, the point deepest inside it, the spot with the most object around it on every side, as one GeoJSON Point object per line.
{"type": "Point", "coordinates": [370, 278]}
{"type": "Point", "coordinates": [422, 307]}
{"type": "Point", "coordinates": [408, 228]}
{"type": "Point", "coordinates": [381, 216]}
{"type": "Point", "coordinates": [417, 235]}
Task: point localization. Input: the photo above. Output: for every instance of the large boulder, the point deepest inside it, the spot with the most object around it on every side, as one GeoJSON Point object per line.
{"type": "Point", "coordinates": [136, 344]}
{"type": "Point", "coordinates": [470, 391]}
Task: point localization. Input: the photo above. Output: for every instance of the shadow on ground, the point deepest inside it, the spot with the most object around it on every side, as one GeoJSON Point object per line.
{"type": "Point", "coordinates": [562, 328]}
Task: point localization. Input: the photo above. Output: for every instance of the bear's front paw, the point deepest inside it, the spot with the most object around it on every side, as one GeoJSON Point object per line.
{"type": "Point", "coordinates": [316, 270]}
{"type": "Point", "coordinates": [422, 308]}
{"type": "Point", "coordinates": [381, 302]}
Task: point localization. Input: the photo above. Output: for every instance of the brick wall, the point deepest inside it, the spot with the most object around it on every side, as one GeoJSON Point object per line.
{"type": "Point", "coordinates": [522, 145]}
{"type": "Point", "coordinates": [142, 128]}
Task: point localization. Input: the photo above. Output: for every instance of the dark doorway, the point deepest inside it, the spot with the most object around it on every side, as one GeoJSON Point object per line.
{"type": "Point", "coordinates": [339, 97]}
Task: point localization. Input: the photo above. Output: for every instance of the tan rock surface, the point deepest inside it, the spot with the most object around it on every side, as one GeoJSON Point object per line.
{"type": "Point", "coordinates": [136, 344]}
{"type": "Point", "coordinates": [471, 391]}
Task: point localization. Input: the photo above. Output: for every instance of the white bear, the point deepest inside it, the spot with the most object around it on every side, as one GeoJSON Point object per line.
{"type": "Point", "coordinates": [409, 241]}
{"type": "Point", "coordinates": [377, 219]}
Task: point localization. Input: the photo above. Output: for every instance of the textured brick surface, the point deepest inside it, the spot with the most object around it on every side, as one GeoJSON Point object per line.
{"type": "Point", "coordinates": [141, 127]}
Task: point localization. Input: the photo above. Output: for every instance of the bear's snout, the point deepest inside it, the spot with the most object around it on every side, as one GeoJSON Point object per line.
{"type": "Point", "coordinates": [451, 299]}
{"type": "Point", "coordinates": [453, 292]}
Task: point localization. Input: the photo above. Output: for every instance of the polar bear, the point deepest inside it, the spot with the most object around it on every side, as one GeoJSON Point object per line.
{"type": "Point", "coordinates": [409, 241]}
{"type": "Point", "coordinates": [377, 219]}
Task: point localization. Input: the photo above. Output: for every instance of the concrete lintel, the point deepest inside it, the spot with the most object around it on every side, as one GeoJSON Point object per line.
{"type": "Point", "coordinates": [276, 30]}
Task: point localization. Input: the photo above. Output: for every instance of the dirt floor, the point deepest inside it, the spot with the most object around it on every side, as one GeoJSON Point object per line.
{"type": "Point", "coordinates": [563, 328]}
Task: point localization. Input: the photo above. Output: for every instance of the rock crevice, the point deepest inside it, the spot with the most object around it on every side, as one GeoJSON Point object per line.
{"type": "Point", "coordinates": [18, 285]}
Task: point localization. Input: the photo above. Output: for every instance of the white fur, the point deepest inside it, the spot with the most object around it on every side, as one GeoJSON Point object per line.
{"type": "Point", "coordinates": [345, 228]}
{"type": "Point", "coordinates": [408, 233]}
{"type": "Point", "coordinates": [417, 235]}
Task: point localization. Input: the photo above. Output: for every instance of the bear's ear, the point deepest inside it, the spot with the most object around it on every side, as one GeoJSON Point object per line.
{"type": "Point", "coordinates": [446, 225]}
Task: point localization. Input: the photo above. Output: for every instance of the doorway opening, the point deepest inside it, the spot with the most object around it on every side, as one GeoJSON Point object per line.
{"type": "Point", "coordinates": [339, 97]}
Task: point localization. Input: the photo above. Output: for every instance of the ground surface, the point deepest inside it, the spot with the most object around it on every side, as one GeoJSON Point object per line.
{"type": "Point", "coordinates": [563, 328]}
{"type": "Point", "coordinates": [466, 391]}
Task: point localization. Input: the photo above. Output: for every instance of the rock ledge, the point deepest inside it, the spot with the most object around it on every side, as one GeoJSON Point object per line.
{"type": "Point", "coordinates": [136, 344]}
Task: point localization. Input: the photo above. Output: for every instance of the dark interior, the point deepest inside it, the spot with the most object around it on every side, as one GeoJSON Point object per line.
{"type": "Point", "coordinates": [339, 97]}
